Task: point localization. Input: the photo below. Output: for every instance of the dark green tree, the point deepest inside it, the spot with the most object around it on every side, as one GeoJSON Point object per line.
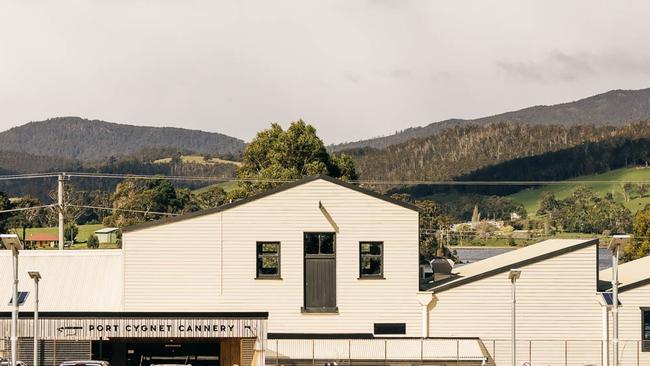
{"type": "Point", "coordinates": [149, 196]}
{"type": "Point", "coordinates": [276, 155]}
{"type": "Point", "coordinates": [640, 245]}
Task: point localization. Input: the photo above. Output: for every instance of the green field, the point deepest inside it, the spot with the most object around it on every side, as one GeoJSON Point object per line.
{"type": "Point", "coordinates": [530, 197]}
{"type": "Point", "coordinates": [198, 159]}
{"type": "Point", "coordinates": [227, 186]}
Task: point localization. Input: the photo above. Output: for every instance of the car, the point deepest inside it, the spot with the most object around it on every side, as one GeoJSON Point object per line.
{"type": "Point", "coordinates": [5, 362]}
{"type": "Point", "coordinates": [85, 363]}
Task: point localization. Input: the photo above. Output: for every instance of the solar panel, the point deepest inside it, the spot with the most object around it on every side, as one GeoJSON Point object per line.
{"type": "Point", "coordinates": [22, 296]}
{"type": "Point", "coordinates": [608, 298]}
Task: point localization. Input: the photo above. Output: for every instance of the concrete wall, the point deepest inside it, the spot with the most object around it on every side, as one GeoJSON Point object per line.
{"type": "Point", "coordinates": [208, 263]}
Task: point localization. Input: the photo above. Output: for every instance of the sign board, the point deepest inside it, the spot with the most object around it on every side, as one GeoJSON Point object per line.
{"type": "Point", "coordinates": [96, 328]}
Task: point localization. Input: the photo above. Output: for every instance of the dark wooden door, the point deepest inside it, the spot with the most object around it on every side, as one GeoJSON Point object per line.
{"type": "Point", "coordinates": [320, 272]}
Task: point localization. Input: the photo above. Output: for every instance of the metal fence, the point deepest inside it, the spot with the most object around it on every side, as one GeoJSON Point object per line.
{"type": "Point", "coordinates": [449, 352]}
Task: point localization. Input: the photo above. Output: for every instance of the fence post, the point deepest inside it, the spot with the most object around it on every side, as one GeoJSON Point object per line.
{"type": "Point", "coordinates": [277, 352]}
{"type": "Point", "coordinates": [638, 353]}
{"type": "Point", "coordinates": [422, 351]}
{"type": "Point", "coordinates": [313, 352]}
{"type": "Point", "coordinates": [349, 352]}
{"type": "Point", "coordinates": [494, 350]}
{"type": "Point", "coordinates": [385, 352]}
{"type": "Point", "coordinates": [458, 352]}
{"type": "Point", "coordinates": [566, 353]}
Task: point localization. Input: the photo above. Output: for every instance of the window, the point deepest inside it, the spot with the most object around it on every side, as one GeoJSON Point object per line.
{"type": "Point", "coordinates": [268, 260]}
{"type": "Point", "coordinates": [645, 331]}
{"type": "Point", "coordinates": [319, 243]}
{"type": "Point", "coordinates": [371, 259]}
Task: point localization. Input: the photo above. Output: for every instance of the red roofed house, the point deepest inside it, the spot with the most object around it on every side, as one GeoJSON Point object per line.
{"type": "Point", "coordinates": [41, 240]}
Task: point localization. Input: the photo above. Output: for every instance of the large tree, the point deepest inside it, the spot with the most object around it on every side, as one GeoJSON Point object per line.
{"type": "Point", "coordinates": [150, 197]}
{"type": "Point", "coordinates": [640, 245]}
{"type": "Point", "coordinates": [276, 155]}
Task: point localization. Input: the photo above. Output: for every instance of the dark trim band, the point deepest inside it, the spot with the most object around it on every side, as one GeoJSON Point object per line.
{"type": "Point", "coordinates": [108, 314]}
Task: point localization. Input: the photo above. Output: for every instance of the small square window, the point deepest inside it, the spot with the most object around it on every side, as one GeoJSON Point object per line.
{"type": "Point", "coordinates": [268, 260]}
{"type": "Point", "coordinates": [371, 259]}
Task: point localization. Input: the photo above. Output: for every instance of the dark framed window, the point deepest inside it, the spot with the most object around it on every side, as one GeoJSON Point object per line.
{"type": "Point", "coordinates": [371, 259]}
{"type": "Point", "coordinates": [268, 259]}
{"type": "Point", "coordinates": [645, 330]}
{"type": "Point", "coordinates": [320, 243]}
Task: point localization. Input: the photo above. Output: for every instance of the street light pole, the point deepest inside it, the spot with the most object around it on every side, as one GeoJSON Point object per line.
{"type": "Point", "coordinates": [36, 276]}
{"type": "Point", "coordinates": [514, 276]}
{"type": "Point", "coordinates": [12, 242]}
{"type": "Point", "coordinates": [615, 246]}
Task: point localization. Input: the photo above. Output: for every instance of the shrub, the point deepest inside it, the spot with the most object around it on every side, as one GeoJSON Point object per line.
{"type": "Point", "coordinates": [93, 242]}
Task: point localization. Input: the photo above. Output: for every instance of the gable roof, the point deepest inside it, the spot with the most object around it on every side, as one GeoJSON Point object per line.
{"type": "Point", "coordinates": [42, 237]}
{"type": "Point", "coordinates": [106, 230]}
{"type": "Point", "coordinates": [630, 275]}
{"type": "Point", "coordinates": [278, 189]}
{"type": "Point", "coordinates": [512, 259]}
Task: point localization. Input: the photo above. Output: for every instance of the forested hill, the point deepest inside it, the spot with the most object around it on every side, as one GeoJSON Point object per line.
{"type": "Point", "coordinates": [462, 150]}
{"type": "Point", "coordinates": [86, 140]}
{"type": "Point", "coordinates": [615, 108]}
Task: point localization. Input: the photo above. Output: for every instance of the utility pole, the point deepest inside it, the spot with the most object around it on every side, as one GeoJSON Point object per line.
{"type": "Point", "coordinates": [60, 207]}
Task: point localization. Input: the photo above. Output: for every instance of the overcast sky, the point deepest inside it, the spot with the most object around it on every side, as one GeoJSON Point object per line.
{"type": "Point", "coordinates": [353, 68]}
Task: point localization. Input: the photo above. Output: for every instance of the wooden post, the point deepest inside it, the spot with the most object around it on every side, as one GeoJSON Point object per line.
{"type": "Point", "coordinates": [566, 353]}
{"type": "Point", "coordinates": [385, 352]}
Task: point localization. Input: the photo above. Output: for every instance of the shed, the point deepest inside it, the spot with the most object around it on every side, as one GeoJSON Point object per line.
{"type": "Point", "coordinates": [107, 235]}
{"type": "Point", "coordinates": [42, 240]}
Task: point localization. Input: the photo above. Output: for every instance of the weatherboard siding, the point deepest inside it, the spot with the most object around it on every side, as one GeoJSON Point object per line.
{"type": "Point", "coordinates": [556, 301]}
{"type": "Point", "coordinates": [629, 320]}
{"type": "Point", "coordinates": [218, 266]}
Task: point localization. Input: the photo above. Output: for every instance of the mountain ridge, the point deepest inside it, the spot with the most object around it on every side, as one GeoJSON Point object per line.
{"type": "Point", "coordinates": [93, 140]}
{"type": "Point", "coordinates": [612, 108]}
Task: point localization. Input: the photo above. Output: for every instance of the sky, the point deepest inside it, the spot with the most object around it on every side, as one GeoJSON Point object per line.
{"type": "Point", "coordinates": [353, 68]}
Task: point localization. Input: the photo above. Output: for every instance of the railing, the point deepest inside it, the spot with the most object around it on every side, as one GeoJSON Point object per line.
{"type": "Point", "coordinates": [450, 352]}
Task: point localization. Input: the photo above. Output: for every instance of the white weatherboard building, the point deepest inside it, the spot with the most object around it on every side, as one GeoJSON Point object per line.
{"type": "Point", "coordinates": [314, 271]}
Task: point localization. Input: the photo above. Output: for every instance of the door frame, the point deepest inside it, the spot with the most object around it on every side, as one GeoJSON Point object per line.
{"type": "Point", "coordinates": [305, 256]}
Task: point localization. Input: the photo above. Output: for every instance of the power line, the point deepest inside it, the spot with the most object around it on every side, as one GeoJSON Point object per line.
{"type": "Point", "coordinates": [359, 181]}
{"type": "Point", "coordinates": [27, 208]}
{"type": "Point", "coordinates": [125, 210]}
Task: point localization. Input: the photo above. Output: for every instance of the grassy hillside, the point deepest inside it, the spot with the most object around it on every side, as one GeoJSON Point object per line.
{"type": "Point", "coordinates": [530, 197]}
{"type": "Point", "coordinates": [227, 186]}
{"type": "Point", "coordinates": [198, 159]}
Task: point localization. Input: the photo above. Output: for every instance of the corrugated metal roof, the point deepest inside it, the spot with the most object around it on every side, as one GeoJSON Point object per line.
{"type": "Point", "coordinates": [512, 259]}
{"type": "Point", "coordinates": [42, 237]}
{"type": "Point", "coordinates": [106, 230]}
{"type": "Point", "coordinates": [72, 280]}
{"type": "Point", "coordinates": [629, 273]}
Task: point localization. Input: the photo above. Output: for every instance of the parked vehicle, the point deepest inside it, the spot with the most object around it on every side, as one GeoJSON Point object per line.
{"type": "Point", "coordinates": [86, 363]}
{"type": "Point", "coordinates": [5, 362]}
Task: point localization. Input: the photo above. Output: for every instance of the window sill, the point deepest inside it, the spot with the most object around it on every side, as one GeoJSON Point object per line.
{"type": "Point", "coordinates": [334, 310]}
{"type": "Point", "coordinates": [269, 278]}
{"type": "Point", "coordinates": [371, 278]}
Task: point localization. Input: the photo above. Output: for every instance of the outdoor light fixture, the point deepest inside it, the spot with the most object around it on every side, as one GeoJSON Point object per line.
{"type": "Point", "coordinates": [11, 241]}
{"type": "Point", "coordinates": [513, 276]}
{"type": "Point", "coordinates": [615, 246]}
{"type": "Point", "coordinates": [36, 276]}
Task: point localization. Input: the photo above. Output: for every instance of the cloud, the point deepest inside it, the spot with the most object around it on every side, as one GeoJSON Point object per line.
{"type": "Point", "coordinates": [560, 66]}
